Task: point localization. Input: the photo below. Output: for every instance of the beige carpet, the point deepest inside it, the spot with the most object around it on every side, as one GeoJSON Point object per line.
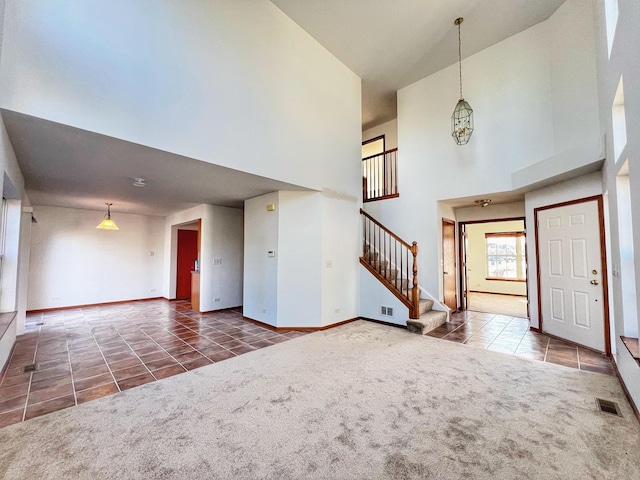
{"type": "Point", "coordinates": [511, 305]}
{"type": "Point", "coordinates": [361, 401]}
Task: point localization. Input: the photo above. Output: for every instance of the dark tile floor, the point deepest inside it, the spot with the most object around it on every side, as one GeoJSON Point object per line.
{"type": "Point", "coordinates": [512, 335]}
{"type": "Point", "coordinates": [87, 353]}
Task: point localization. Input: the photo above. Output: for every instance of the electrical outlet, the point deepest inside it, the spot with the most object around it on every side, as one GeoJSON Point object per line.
{"type": "Point", "coordinates": [152, 253]}
{"type": "Point", "coordinates": [153, 290]}
{"type": "Point", "coordinates": [264, 310]}
{"type": "Point", "coordinates": [55, 298]}
{"type": "Point", "coordinates": [336, 310]}
{"type": "Point", "coordinates": [217, 261]}
{"type": "Point", "coordinates": [217, 299]}
{"type": "Point", "coordinates": [329, 264]}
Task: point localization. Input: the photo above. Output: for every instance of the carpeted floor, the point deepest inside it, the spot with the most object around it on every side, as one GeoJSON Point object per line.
{"type": "Point", "coordinates": [511, 305]}
{"type": "Point", "coordinates": [361, 401]}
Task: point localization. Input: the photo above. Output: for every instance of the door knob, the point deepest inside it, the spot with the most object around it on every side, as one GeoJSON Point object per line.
{"type": "Point", "coordinates": [594, 282]}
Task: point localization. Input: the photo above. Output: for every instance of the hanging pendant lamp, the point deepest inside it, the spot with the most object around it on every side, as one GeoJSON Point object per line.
{"type": "Point", "coordinates": [107, 223]}
{"type": "Point", "coordinates": [462, 117]}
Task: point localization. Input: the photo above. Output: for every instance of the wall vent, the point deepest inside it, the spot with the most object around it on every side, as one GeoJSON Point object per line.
{"type": "Point", "coordinates": [608, 406]}
{"type": "Point", "coordinates": [386, 311]}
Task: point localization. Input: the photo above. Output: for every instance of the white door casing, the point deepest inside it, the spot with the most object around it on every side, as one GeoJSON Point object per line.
{"type": "Point", "coordinates": [570, 264]}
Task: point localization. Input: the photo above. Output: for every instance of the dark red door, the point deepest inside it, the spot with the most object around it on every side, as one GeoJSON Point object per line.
{"type": "Point", "coordinates": [187, 256]}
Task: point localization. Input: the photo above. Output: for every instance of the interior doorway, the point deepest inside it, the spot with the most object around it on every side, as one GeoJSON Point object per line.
{"type": "Point", "coordinates": [494, 267]}
{"type": "Point", "coordinates": [186, 259]}
{"type": "Point", "coordinates": [449, 264]}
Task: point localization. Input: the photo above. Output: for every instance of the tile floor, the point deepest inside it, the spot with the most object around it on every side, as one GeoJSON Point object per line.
{"type": "Point", "coordinates": [88, 353]}
{"type": "Point", "coordinates": [506, 334]}
{"type": "Point", "coordinates": [84, 354]}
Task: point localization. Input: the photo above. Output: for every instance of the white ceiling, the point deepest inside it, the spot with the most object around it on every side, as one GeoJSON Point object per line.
{"type": "Point", "coordinates": [68, 167]}
{"type": "Point", "coordinates": [391, 44]}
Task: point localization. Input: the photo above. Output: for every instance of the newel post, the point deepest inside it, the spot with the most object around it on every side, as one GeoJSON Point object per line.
{"type": "Point", "coordinates": [415, 294]}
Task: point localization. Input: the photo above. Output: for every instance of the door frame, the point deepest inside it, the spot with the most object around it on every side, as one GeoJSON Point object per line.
{"type": "Point", "coordinates": [450, 222]}
{"type": "Point", "coordinates": [603, 263]}
{"type": "Point", "coordinates": [463, 257]}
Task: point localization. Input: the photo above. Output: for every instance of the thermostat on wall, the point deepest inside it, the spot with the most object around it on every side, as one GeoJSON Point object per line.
{"type": "Point", "coordinates": [271, 253]}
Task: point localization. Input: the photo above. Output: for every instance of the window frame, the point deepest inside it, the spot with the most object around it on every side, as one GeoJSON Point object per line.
{"type": "Point", "coordinates": [521, 273]}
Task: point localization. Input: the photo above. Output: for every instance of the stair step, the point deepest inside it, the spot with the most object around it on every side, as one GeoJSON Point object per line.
{"type": "Point", "coordinates": [379, 265]}
{"type": "Point", "coordinates": [427, 322]}
{"type": "Point", "coordinates": [370, 256]}
{"type": "Point", "coordinates": [425, 306]}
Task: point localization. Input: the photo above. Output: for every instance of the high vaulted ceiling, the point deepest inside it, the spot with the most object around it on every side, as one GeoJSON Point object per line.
{"type": "Point", "coordinates": [391, 44]}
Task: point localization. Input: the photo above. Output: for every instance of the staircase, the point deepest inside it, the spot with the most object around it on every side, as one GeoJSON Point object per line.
{"type": "Point", "coordinates": [394, 263]}
{"type": "Point", "coordinates": [428, 319]}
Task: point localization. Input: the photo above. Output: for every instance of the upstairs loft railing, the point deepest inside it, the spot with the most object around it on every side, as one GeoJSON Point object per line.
{"type": "Point", "coordinates": [380, 176]}
{"type": "Point", "coordinates": [392, 261]}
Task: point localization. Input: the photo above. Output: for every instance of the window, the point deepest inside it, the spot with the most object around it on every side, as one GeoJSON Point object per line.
{"type": "Point", "coordinates": [506, 259]}
{"type": "Point", "coordinates": [375, 146]}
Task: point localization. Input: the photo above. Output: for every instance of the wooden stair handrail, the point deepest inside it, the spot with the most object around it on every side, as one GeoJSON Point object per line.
{"type": "Point", "coordinates": [387, 230]}
{"type": "Point", "coordinates": [379, 154]}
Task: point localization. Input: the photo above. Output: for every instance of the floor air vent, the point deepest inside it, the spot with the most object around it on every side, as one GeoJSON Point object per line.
{"type": "Point", "coordinates": [29, 368]}
{"type": "Point", "coordinates": [608, 406]}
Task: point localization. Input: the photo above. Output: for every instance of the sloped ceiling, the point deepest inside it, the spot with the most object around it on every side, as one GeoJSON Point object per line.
{"type": "Point", "coordinates": [391, 44]}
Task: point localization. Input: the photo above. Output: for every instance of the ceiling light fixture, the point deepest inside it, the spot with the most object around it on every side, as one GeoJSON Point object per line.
{"type": "Point", "coordinates": [483, 202]}
{"type": "Point", "coordinates": [462, 117]}
{"type": "Point", "coordinates": [139, 182]}
{"type": "Point", "coordinates": [107, 223]}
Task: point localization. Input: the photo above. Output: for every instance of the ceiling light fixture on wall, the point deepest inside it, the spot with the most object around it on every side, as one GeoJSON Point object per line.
{"type": "Point", "coordinates": [462, 117]}
{"type": "Point", "coordinates": [484, 202]}
{"type": "Point", "coordinates": [107, 223]}
{"type": "Point", "coordinates": [139, 182]}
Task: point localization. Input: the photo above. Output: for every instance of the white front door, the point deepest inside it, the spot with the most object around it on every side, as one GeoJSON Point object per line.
{"type": "Point", "coordinates": [571, 293]}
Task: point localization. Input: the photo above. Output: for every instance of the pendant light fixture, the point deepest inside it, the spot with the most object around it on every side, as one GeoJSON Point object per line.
{"type": "Point", "coordinates": [107, 223]}
{"type": "Point", "coordinates": [462, 117]}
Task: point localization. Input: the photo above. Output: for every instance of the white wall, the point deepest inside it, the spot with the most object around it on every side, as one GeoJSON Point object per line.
{"type": "Point", "coordinates": [491, 212]}
{"type": "Point", "coordinates": [74, 263]}
{"type": "Point", "coordinates": [260, 300]}
{"type": "Point", "coordinates": [582, 187]}
{"type": "Point", "coordinates": [512, 87]}
{"type": "Point", "coordinates": [621, 63]}
{"type": "Point", "coordinates": [388, 129]}
{"type": "Point", "coordinates": [341, 248]}
{"type": "Point", "coordinates": [477, 258]}
{"type": "Point", "coordinates": [221, 237]}
{"type": "Point", "coordinates": [195, 78]}
{"type": "Point", "coordinates": [313, 279]}
{"type": "Point", "coordinates": [377, 295]}
{"type": "Point", "coordinates": [14, 288]}
{"type": "Point", "coordinates": [300, 268]}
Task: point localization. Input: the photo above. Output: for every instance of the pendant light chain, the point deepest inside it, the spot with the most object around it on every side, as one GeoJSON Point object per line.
{"type": "Point", "coordinates": [460, 58]}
